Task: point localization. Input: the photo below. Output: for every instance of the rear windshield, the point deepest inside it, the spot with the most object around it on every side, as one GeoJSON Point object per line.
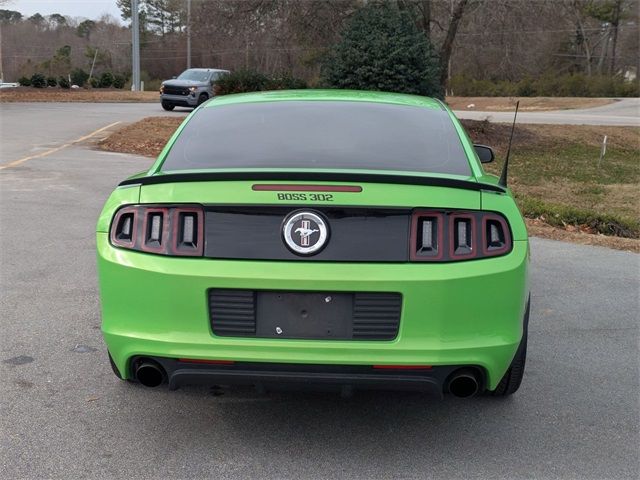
{"type": "Point", "coordinates": [326, 135]}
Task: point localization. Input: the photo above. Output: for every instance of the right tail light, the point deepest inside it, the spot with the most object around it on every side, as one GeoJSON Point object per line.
{"type": "Point", "coordinates": [448, 236]}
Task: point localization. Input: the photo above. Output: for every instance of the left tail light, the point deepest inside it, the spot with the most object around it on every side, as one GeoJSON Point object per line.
{"type": "Point", "coordinates": [176, 230]}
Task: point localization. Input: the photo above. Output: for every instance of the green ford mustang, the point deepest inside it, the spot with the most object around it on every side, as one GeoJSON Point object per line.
{"type": "Point", "coordinates": [338, 239]}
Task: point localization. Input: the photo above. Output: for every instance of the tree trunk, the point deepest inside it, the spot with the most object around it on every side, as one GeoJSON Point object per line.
{"type": "Point", "coordinates": [615, 21]}
{"type": "Point", "coordinates": [447, 46]}
{"type": "Point", "coordinates": [586, 43]}
{"type": "Point", "coordinates": [604, 50]}
{"type": "Point", "coordinates": [425, 21]}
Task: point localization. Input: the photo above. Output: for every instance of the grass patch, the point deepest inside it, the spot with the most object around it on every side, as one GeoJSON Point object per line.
{"type": "Point", "coordinates": [590, 221]}
{"type": "Point", "coordinates": [556, 173]}
{"type": "Point", "coordinates": [527, 104]}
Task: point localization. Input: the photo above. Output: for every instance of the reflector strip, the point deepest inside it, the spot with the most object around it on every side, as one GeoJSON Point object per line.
{"type": "Point", "coordinates": [210, 362]}
{"type": "Point", "coordinates": [306, 188]}
{"type": "Point", "coordinates": [402, 367]}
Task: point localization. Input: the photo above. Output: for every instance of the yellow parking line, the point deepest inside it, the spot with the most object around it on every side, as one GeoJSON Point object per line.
{"type": "Point", "coordinates": [56, 149]}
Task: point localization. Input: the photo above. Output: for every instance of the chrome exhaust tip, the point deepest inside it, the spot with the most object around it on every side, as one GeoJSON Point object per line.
{"type": "Point", "coordinates": [150, 374]}
{"type": "Point", "coordinates": [463, 384]}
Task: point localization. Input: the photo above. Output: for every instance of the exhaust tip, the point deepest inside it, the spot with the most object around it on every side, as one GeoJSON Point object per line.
{"type": "Point", "coordinates": [463, 385]}
{"type": "Point", "coordinates": [150, 374]}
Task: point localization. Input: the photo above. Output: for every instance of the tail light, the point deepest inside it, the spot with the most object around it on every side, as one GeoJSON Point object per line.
{"type": "Point", "coordinates": [166, 230]}
{"type": "Point", "coordinates": [448, 236]}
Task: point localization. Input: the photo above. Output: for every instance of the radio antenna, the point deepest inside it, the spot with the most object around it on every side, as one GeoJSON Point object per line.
{"type": "Point", "coordinates": [505, 167]}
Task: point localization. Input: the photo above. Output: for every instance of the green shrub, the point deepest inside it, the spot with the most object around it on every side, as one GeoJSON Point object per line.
{"type": "Point", "coordinates": [285, 82]}
{"type": "Point", "coordinates": [628, 89]}
{"type": "Point", "coordinates": [94, 82]}
{"type": "Point", "coordinates": [573, 86]}
{"type": "Point", "coordinates": [119, 81]}
{"type": "Point", "coordinates": [38, 80]}
{"type": "Point", "coordinates": [79, 77]}
{"type": "Point", "coordinates": [24, 81]}
{"type": "Point", "coordinates": [241, 81]}
{"type": "Point", "coordinates": [253, 81]}
{"type": "Point", "coordinates": [64, 82]}
{"type": "Point", "coordinates": [51, 82]}
{"type": "Point", "coordinates": [383, 49]}
{"type": "Point", "coordinates": [525, 88]}
{"type": "Point", "coordinates": [548, 85]}
{"type": "Point", "coordinates": [152, 85]}
{"type": "Point", "coordinates": [106, 80]}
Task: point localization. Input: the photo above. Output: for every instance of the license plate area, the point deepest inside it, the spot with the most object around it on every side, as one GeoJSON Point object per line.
{"type": "Point", "coordinates": [304, 315]}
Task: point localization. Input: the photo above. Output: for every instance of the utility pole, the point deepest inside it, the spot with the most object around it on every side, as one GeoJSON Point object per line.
{"type": "Point", "coordinates": [1, 71]}
{"type": "Point", "coordinates": [188, 34]}
{"type": "Point", "coordinates": [448, 89]}
{"type": "Point", "coordinates": [135, 41]}
{"type": "Point", "coordinates": [93, 64]}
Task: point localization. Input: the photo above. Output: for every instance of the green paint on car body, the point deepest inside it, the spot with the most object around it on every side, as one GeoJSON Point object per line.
{"type": "Point", "coordinates": [456, 313]}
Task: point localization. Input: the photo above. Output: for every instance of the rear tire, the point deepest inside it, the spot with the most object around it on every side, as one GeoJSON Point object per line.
{"type": "Point", "coordinates": [513, 378]}
{"type": "Point", "coordinates": [168, 106]}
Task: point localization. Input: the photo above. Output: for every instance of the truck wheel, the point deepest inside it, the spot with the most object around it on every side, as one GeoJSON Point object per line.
{"type": "Point", "coordinates": [513, 378]}
{"type": "Point", "coordinates": [168, 106]}
{"type": "Point", "coordinates": [203, 97]}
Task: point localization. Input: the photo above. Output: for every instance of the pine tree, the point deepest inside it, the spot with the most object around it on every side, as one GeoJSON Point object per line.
{"type": "Point", "coordinates": [382, 49]}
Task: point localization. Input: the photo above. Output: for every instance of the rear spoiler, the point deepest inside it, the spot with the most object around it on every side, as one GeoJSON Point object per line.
{"type": "Point", "coordinates": [313, 176]}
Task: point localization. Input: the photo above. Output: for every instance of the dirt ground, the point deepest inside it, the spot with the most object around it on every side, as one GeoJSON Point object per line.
{"type": "Point", "coordinates": [148, 137]}
{"type": "Point", "coordinates": [30, 94]}
{"type": "Point", "coordinates": [490, 104]}
{"type": "Point", "coordinates": [537, 228]}
{"type": "Point", "coordinates": [530, 104]}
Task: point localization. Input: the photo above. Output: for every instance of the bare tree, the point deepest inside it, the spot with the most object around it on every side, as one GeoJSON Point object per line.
{"type": "Point", "coordinates": [478, 39]}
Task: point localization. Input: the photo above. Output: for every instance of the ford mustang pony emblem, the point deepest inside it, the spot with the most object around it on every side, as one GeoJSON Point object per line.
{"type": "Point", "coordinates": [305, 233]}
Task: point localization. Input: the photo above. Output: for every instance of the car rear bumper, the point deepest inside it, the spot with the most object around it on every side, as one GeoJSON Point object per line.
{"type": "Point", "coordinates": [434, 380]}
{"type": "Point", "coordinates": [466, 313]}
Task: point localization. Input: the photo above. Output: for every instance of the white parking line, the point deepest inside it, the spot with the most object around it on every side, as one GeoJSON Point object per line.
{"type": "Point", "coordinates": [57, 149]}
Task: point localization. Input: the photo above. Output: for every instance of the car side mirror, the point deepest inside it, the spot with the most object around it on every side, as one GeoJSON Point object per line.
{"type": "Point", "coordinates": [485, 154]}
{"type": "Point", "coordinates": [174, 77]}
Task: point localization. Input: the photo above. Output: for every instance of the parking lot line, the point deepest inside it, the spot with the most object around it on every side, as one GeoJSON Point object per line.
{"type": "Point", "coordinates": [57, 149]}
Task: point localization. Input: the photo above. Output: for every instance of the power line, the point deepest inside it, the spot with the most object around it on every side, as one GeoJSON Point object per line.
{"type": "Point", "coordinates": [525, 32]}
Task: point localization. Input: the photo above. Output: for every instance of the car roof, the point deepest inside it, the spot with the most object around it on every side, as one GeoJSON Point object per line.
{"type": "Point", "coordinates": [208, 69]}
{"type": "Point", "coordinates": [327, 96]}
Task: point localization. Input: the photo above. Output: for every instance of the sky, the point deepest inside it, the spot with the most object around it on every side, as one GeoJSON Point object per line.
{"type": "Point", "coordinates": [73, 8]}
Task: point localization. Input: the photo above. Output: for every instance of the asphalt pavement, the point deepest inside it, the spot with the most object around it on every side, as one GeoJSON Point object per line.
{"type": "Point", "coordinates": [33, 128]}
{"type": "Point", "coordinates": [64, 415]}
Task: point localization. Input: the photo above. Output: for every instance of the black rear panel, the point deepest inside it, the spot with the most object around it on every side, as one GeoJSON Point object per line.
{"type": "Point", "coordinates": [235, 312]}
{"type": "Point", "coordinates": [376, 315]}
{"type": "Point", "coordinates": [305, 315]}
{"type": "Point", "coordinates": [356, 234]}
